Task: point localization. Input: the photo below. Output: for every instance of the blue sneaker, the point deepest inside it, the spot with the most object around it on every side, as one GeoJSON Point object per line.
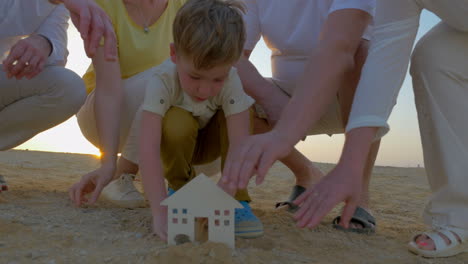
{"type": "Point", "coordinates": [170, 192]}
{"type": "Point", "coordinates": [247, 225]}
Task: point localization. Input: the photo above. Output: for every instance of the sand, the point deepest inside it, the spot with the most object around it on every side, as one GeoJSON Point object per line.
{"type": "Point", "coordinates": [38, 224]}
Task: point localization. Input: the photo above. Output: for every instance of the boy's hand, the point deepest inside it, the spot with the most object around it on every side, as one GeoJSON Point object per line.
{"type": "Point", "coordinates": [255, 156]}
{"type": "Point", "coordinates": [160, 223]}
{"type": "Point", "coordinates": [341, 184]}
{"type": "Point", "coordinates": [27, 57]}
{"type": "Point", "coordinates": [92, 182]}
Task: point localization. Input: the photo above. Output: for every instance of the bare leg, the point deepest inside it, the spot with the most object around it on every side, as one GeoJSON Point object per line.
{"type": "Point", "coordinates": [305, 172]}
{"type": "Point", "coordinates": [125, 166]}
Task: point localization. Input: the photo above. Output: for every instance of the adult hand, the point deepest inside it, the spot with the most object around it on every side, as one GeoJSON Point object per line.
{"type": "Point", "coordinates": [93, 183]}
{"type": "Point", "coordinates": [93, 24]}
{"type": "Point", "coordinates": [160, 223]}
{"type": "Point", "coordinates": [227, 188]}
{"type": "Point", "coordinates": [341, 184]}
{"type": "Point", "coordinates": [255, 156]}
{"type": "Point", "coordinates": [27, 57]}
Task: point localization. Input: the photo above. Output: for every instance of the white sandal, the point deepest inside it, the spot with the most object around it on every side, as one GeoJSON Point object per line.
{"type": "Point", "coordinates": [441, 248]}
{"type": "Point", "coordinates": [3, 184]}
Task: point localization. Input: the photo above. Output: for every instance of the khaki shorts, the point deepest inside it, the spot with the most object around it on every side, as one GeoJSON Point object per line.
{"type": "Point", "coordinates": [330, 123]}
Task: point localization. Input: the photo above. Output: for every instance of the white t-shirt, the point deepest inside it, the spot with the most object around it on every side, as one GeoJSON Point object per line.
{"type": "Point", "coordinates": [291, 30]}
{"type": "Point", "coordinates": [164, 91]}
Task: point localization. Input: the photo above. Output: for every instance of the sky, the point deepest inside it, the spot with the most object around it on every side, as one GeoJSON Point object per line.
{"type": "Point", "coordinates": [400, 147]}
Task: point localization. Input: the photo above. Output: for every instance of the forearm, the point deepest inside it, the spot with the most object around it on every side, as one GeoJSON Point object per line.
{"type": "Point", "coordinates": [238, 127]}
{"type": "Point", "coordinates": [108, 106]}
{"type": "Point", "coordinates": [108, 112]}
{"type": "Point", "coordinates": [253, 82]}
{"type": "Point", "coordinates": [329, 66]}
{"type": "Point", "coordinates": [54, 29]}
{"type": "Point", "coordinates": [356, 149]}
{"type": "Point", "coordinates": [153, 179]}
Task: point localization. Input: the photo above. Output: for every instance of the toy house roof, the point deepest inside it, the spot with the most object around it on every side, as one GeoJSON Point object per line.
{"type": "Point", "coordinates": [201, 192]}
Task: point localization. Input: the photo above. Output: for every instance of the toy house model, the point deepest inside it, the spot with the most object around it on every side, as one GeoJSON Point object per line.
{"type": "Point", "coordinates": [201, 200]}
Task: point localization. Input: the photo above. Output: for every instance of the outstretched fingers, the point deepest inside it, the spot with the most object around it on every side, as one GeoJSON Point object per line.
{"type": "Point", "coordinates": [110, 40]}
{"type": "Point", "coordinates": [267, 158]}
{"type": "Point", "coordinates": [347, 214]}
{"type": "Point", "coordinates": [97, 32]}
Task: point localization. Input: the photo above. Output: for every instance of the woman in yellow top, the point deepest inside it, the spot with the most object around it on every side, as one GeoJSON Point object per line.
{"type": "Point", "coordinates": [144, 32]}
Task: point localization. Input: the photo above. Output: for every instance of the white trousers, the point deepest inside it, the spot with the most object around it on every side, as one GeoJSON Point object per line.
{"type": "Point", "coordinates": [440, 80]}
{"type": "Point", "coordinates": [28, 107]}
{"type": "Point", "coordinates": [134, 93]}
{"type": "Point", "coordinates": [440, 76]}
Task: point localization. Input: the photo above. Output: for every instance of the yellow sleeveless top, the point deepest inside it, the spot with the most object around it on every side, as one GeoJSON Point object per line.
{"type": "Point", "coordinates": [137, 50]}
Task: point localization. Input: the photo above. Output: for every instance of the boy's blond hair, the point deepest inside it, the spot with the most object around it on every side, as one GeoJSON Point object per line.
{"type": "Point", "coordinates": [210, 32]}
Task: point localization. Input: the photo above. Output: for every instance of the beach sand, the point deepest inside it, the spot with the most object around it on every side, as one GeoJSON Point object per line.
{"type": "Point", "coordinates": [38, 223]}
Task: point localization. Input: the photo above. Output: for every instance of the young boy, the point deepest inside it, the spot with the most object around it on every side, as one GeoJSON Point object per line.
{"type": "Point", "coordinates": [195, 107]}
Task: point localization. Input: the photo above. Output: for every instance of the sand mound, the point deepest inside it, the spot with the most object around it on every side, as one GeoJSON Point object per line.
{"type": "Point", "coordinates": [38, 224]}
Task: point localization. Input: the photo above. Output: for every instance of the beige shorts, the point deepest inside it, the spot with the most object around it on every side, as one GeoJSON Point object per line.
{"type": "Point", "coordinates": [330, 123]}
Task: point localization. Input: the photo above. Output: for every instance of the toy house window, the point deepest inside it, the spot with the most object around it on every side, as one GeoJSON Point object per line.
{"type": "Point", "coordinates": [174, 211]}
{"type": "Point", "coordinates": [217, 222]}
{"type": "Point", "coordinates": [184, 211]}
{"type": "Point", "coordinates": [226, 222]}
{"type": "Point", "coordinates": [217, 212]}
{"type": "Point", "coordinates": [226, 212]}
{"type": "Point", "coordinates": [184, 220]}
{"type": "Point", "coordinates": [175, 220]}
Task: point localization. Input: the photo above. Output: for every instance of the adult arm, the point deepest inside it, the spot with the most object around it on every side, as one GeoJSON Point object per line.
{"type": "Point", "coordinates": [381, 80]}
{"type": "Point", "coordinates": [264, 92]}
{"type": "Point", "coordinates": [108, 102]}
{"type": "Point", "coordinates": [329, 64]}
{"type": "Point", "coordinates": [93, 24]}
{"type": "Point", "coordinates": [46, 46]}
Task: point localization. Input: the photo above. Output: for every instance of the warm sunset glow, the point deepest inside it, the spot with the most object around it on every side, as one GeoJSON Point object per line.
{"type": "Point", "coordinates": [401, 147]}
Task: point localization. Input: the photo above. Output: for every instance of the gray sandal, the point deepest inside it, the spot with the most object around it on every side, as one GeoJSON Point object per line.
{"type": "Point", "coordinates": [296, 192]}
{"type": "Point", "coordinates": [361, 217]}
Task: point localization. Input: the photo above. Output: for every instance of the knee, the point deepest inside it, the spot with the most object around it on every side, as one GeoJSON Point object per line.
{"type": "Point", "coordinates": [70, 89]}
{"type": "Point", "coordinates": [179, 127]}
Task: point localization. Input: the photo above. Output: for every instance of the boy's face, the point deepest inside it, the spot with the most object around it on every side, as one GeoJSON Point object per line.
{"type": "Point", "coordinates": [200, 85]}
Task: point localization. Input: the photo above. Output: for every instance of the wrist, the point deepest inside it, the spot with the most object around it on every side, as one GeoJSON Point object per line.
{"type": "Point", "coordinates": [108, 160]}
{"type": "Point", "coordinates": [356, 149]}
{"type": "Point", "coordinates": [46, 43]}
{"type": "Point", "coordinates": [282, 135]}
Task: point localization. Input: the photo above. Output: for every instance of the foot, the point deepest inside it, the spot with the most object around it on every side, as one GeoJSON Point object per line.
{"type": "Point", "coordinates": [309, 176]}
{"type": "Point", "coordinates": [426, 243]}
{"type": "Point", "coordinates": [357, 225]}
{"type": "Point", "coordinates": [3, 184]}
{"type": "Point", "coordinates": [123, 193]}
{"type": "Point", "coordinates": [362, 222]}
{"type": "Point", "coordinates": [247, 225]}
{"type": "Point", "coordinates": [442, 242]}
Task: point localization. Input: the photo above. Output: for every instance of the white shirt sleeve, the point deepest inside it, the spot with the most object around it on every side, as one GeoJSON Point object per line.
{"type": "Point", "coordinates": [385, 68]}
{"type": "Point", "coordinates": [54, 28]}
{"type": "Point", "coordinates": [365, 5]}
{"type": "Point", "coordinates": [252, 24]}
